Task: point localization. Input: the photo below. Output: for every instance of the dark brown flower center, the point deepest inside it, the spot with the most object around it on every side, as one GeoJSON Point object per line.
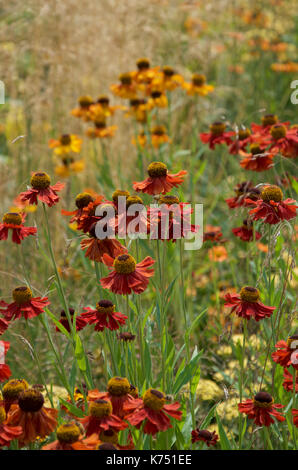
{"type": "Point", "coordinates": [168, 71]}
{"type": "Point", "coordinates": [198, 79]}
{"type": "Point", "coordinates": [269, 120]}
{"type": "Point", "coordinates": [217, 128]}
{"type": "Point", "coordinates": [22, 295]}
{"type": "Point", "coordinates": [125, 79]}
{"type": "Point", "coordinates": [103, 100]}
{"type": "Point", "coordinates": [158, 130]}
{"type": "Point", "coordinates": [249, 294]}
{"type": "Point", "coordinates": [278, 131]}
{"type": "Point", "coordinates": [83, 199]}
{"type": "Point", "coordinates": [31, 400]}
{"type": "Point", "coordinates": [205, 434]}
{"type": "Point", "coordinates": [263, 397]}
{"type": "Point", "coordinates": [143, 64]}
{"type": "Point", "coordinates": [65, 139]}
{"type": "Point", "coordinates": [156, 94]}
{"type": "Point", "coordinates": [85, 101]}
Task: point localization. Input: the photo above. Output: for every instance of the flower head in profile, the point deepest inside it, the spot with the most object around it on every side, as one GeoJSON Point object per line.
{"type": "Point", "coordinates": [83, 110]}
{"type": "Point", "coordinates": [243, 190]}
{"type": "Point", "coordinates": [66, 143]}
{"type": "Point", "coordinates": [271, 208]}
{"type": "Point", "coordinates": [168, 78]}
{"type": "Point", "coordinates": [97, 248]}
{"type": "Point", "coordinates": [138, 110]}
{"type": "Point", "coordinates": [198, 85]}
{"type": "Point", "coordinates": [210, 438]}
{"type": "Point", "coordinates": [217, 135]}
{"type": "Point", "coordinates": [102, 108]}
{"type": "Point", "coordinates": [157, 98]}
{"type": "Point", "coordinates": [80, 322]}
{"type": "Point", "coordinates": [247, 304]}
{"type": "Point", "coordinates": [85, 216]}
{"type": "Point", "coordinates": [101, 130]}
{"type": "Point", "coordinates": [246, 232]}
{"type": "Point", "coordinates": [5, 371]}
{"type": "Point", "coordinates": [82, 200]}
{"type": "Point", "coordinates": [7, 433]}
{"type": "Point", "coordinates": [262, 409]}
{"type": "Point", "coordinates": [285, 352]}
{"type": "Point", "coordinates": [263, 129]}
{"type": "Point", "coordinates": [118, 392]}
{"type": "Point", "coordinates": [35, 419]}
{"type": "Point", "coordinates": [109, 441]}
{"type": "Point", "coordinates": [42, 190]}
{"type": "Point", "coordinates": [127, 275]}
{"type": "Point", "coordinates": [159, 136]}
{"type": "Point", "coordinates": [145, 74]}
{"type": "Point", "coordinates": [101, 418]}
{"type": "Point", "coordinates": [24, 305]}
{"type": "Point", "coordinates": [256, 159]}
{"type": "Point", "coordinates": [243, 137]}
{"type": "Point", "coordinates": [69, 166]}
{"type": "Point", "coordinates": [217, 254]}
{"type": "Point", "coordinates": [103, 316]}
{"type": "Point", "coordinates": [289, 380]}
{"type": "Point", "coordinates": [14, 221]}
{"type": "Point", "coordinates": [284, 140]}
{"type": "Point", "coordinates": [12, 390]}
{"type": "Point", "coordinates": [212, 234]}
{"type": "Point", "coordinates": [69, 437]}
{"type": "Point", "coordinates": [127, 88]}
{"type": "Point", "coordinates": [159, 181]}
{"type": "Point", "coordinates": [152, 411]}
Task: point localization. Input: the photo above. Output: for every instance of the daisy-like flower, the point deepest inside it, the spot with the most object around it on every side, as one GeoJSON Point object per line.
{"type": "Point", "coordinates": [118, 393]}
{"type": "Point", "coordinates": [35, 419]}
{"type": "Point", "coordinates": [12, 390]}
{"type": "Point", "coordinates": [86, 217]}
{"type": "Point", "coordinates": [121, 224]}
{"type": "Point", "coordinates": [217, 254]}
{"type": "Point", "coordinates": [262, 409]}
{"type": "Point", "coordinates": [217, 135]}
{"type": "Point", "coordinates": [243, 190]}
{"type": "Point", "coordinates": [127, 88]}
{"type": "Point", "coordinates": [66, 143]}
{"type": "Point", "coordinates": [80, 322]}
{"type": "Point", "coordinates": [82, 200]}
{"type": "Point", "coordinates": [138, 110]}
{"type": "Point", "coordinates": [295, 417]}
{"type": "Point", "coordinates": [127, 275]}
{"type": "Point", "coordinates": [145, 74]}
{"type": "Point", "coordinates": [117, 193]}
{"type": "Point", "coordinates": [289, 379]}
{"type": "Point", "coordinates": [212, 234]}
{"type": "Point", "coordinates": [5, 371]}
{"type": "Point", "coordinates": [284, 140]}
{"type": "Point", "coordinates": [96, 248]}
{"type": "Point", "coordinates": [285, 350]}
{"type": "Point", "coordinates": [257, 159]}
{"type": "Point", "coordinates": [271, 208]}
{"type": "Point", "coordinates": [152, 411]}
{"type": "Point", "coordinates": [69, 166]}
{"type": "Point", "coordinates": [15, 222]}
{"type": "Point", "coordinates": [268, 120]}
{"type": "Point", "coordinates": [247, 304]}
{"type": "Point", "coordinates": [210, 438]}
{"type": "Point", "coordinates": [126, 336]}
{"type": "Point", "coordinates": [159, 136]}
{"type": "Point", "coordinates": [41, 189]}
{"type": "Point", "coordinates": [198, 85]}
{"type": "Point", "coordinates": [168, 79]}
{"type": "Point", "coordinates": [243, 137]}
{"type": "Point", "coordinates": [69, 437]}
{"type": "Point", "coordinates": [246, 232]}
{"type": "Point", "coordinates": [101, 418]}
{"type": "Point", "coordinates": [159, 180]}
{"type": "Point", "coordinates": [110, 438]}
{"type": "Point", "coordinates": [101, 130]}
{"type": "Point", "coordinates": [102, 108]}
{"type": "Point", "coordinates": [157, 98]}
{"type": "Point", "coordinates": [103, 316]}
{"type": "Point", "coordinates": [24, 305]}
{"type": "Point", "coordinates": [83, 111]}
{"type": "Point", "coordinates": [7, 433]}
{"type": "Point", "coordinates": [140, 140]}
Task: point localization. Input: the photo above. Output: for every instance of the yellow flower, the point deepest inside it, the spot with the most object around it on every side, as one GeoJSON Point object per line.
{"type": "Point", "coordinates": [56, 392]}
{"type": "Point", "coordinates": [228, 410]}
{"type": "Point", "coordinates": [208, 390]}
{"type": "Point", "coordinates": [140, 140]}
{"type": "Point", "coordinates": [101, 130]}
{"type": "Point", "coordinates": [159, 136]}
{"type": "Point", "coordinates": [198, 86]}
{"type": "Point", "coordinates": [67, 168]}
{"type": "Point", "coordinates": [168, 79]}
{"type": "Point", "coordinates": [126, 89]}
{"type": "Point", "coordinates": [67, 143]}
{"type": "Point", "coordinates": [157, 99]}
{"type": "Point", "coordinates": [224, 350]}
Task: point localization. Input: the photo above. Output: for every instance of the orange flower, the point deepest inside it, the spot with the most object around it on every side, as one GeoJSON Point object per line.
{"type": "Point", "coordinates": [83, 111]}
{"type": "Point", "coordinates": [218, 254]}
{"type": "Point", "coordinates": [140, 140]}
{"type": "Point", "coordinates": [168, 79]}
{"type": "Point", "coordinates": [198, 85]}
{"type": "Point", "coordinates": [138, 110]}
{"type": "Point", "coordinates": [69, 438]}
{"type": "Point", "coordinates": [159, 180]}
{"type": "Point", "coordinates": [7, 433]}
{"type": "Point", "coordinates": [35, 419]}
{"type": "Point", "coordinates": [101, 130]}
{"type": "Point", "coordinates": [101, 418]}
{"type": "Point", "coordinates": [65, 144]}
{"type": "Point", "coordinates": [159, 136]}
{"type": "Point", "coordinates": [288, 67]}
{"type": "Point", "coordinates": [257, 159]}
{"type": "Point", "coordinates": [126, 89]}
{"type": "Point", "coordinates": [158, 98]}
{"type": "Point", "coordinates": [118, 393]}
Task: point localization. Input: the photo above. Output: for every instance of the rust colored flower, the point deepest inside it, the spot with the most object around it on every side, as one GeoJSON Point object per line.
{"type": "Point", "coordinates": [69, 437]}
{"type": "Point", "coordinates": [109, 441]}
{"type": "Point", "coordinates": [7, 433]}
{"type": "Point", "coordinates": [96, 248]}
{"type": "Point", "coordinates": [101, 418]}
{"type": "Point", "coordinates": [83, 111]}
{"type": "Point", "coordinates": [87, 218]}
{"type": "Point", "coordinates": [286, 351]}
{"type": "Point", "coordinates": [41, 189]}
{"type": "Point", "coordinates": [257, 159]}
{"type": "Point", "coordinates": [15, 222]}
{"type": "Point", "coordinates": [243, 190]}
{"type": "Point", "coordinates": [289, 380]}
{"type": "Point", "coordinates": [295, 417]}
{"type": "Point", "coordinates": [284, 140]}
{"type": "Point", "coordinates": [152, 411]}
{"type": "Point", "coordinates": [35, 419]}
{"type": "Point", "coordinates": [118, 393]}
{"type": "Point", "coordinates": [126, 89]}
{"type": "Point", "coordinates": [24, 305]}
{"type": "Point", "coordinates": [247, 304]}
{"type": "Point", "coordinates": [271, 208]}
{"type": "Point", "coordinates": [82, 200]}
{"type": "Point", "coordinates": [159, 180]}
{"type": "Point", "coordinates": [262, 409]}
{"type": "Point", "coordinates": [217, 135]}
{"type": "Point", "coordinates": [243, 138]}
{"type": "Point", "coordinates": [103, 316]}
{"type": "Point", "coordinates": [80, 322]}
{"type": "Point", "coordinates": [212, 234]}
{"type": "Point", "coordinates": [246, 232]}
{"type": "Point", "coordinates": [210, 438]}
{"type": "Point", "coordinates": [67, 143]}
{"type": "Point", "coordinates": [12, 390]}
{"type": "Point", "coordinates": [218, 254]}
{"type": "Point", "coordinates": [124, 223]}
{"type": "Point", "coordinates": [263, 130]}
{"type": "Point", "coordinates": [127, 275]}
{"type": "Point", "coordinates": [5, 371]}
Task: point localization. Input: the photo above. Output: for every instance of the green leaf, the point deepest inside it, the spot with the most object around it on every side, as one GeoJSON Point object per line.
{"type": "Point", "coordinates": [72, 408]}
{"type": "Point", "coordinates": [224, 441]}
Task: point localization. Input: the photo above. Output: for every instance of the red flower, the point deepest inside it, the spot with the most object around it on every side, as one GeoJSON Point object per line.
{"type": "Point", "coordinates": [96, 248]}
{"type": "Point", "coordinates": [212, 234]}
{"type": "Point", "coordinates": [123, 222]}
{"type": "Point", "coordinates": [87, 218]}
{"type": "Point", "coordinates": [80, 322]}
{"type": "Point", "coordinates": [82, 200]}
{"type": "Point", "coordinates": [284, 141]}
{"type": "Point", "coordinates": [100, 418]}
{"type": "Point", "coordinates": [288, 381]}
{"type": "Point", "coordinates": [3, 323]}
{"type": "Point", "coordinates": [7, 433]}
{"type": "Point", "coordinates": [286, 352]}
{"type": "Point", "coordinates": [127, 275]}
{"type": "Point", "coordinates": [246, 232]}
{"type": "Point", "coordinates": [70, 438]}
{"type": "Point", "coordinates": [217, 135]}
{"type": "Point", "coordinates": [24, 304]}
{"type": "Point", "coordinates": [118, 394]}
{"type": "Point", "coordinates": [262, 409]}
{"type": "Point", "coordinates": [243, 191]}
{"type": "Point", "coordinates": [41, 189]}
{"type": "Point", "coordinates": [104, 316]}
{"type": "Point", "coordinates": [295, 417]}
{"type": "Point", "coordinates": [257, 159]}
{"type": "Point", "coordinates": [5, 371]}
{"type": "Point", "coordinates": [210, 438]}
{"type": "Point", "coordinates": [271, 207]}
{"type": "Point", "coordinates": [243, 138]}
{"type": "Point", "coordinates": [247, 305]}
{"type": "Point", "coordinates": [152, 412]}
{"type": "Point", "coordinates": [159, 180]}
{"type": "Point", "coordinates": [268, 121]}
{"type": "Point", "coordinates": [14, 222]}
{"type": "Point", "coordinates": [35, 419]}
